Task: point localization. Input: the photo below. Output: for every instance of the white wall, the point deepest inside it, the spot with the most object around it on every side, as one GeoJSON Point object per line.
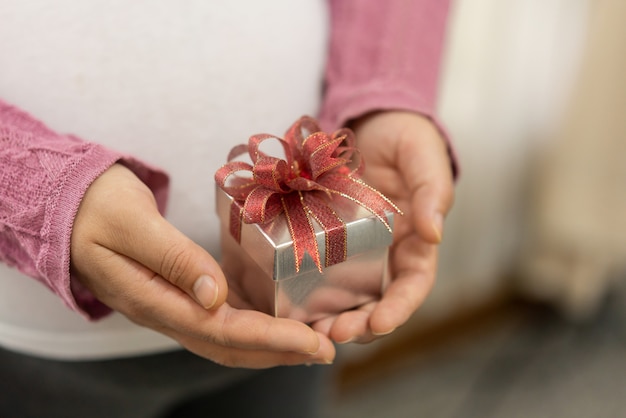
{"type": "Point", "coordinates": [507, 72]}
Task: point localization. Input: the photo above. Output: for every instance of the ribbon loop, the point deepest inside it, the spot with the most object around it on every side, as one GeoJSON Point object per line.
{"type": "Point", "coordinates": [272, 173]}
{"type": "Point", "coordinates": [314, 162]}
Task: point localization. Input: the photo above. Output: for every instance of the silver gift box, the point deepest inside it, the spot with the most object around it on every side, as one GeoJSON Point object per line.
{"type": "Point", "coordinates": [261, 269]}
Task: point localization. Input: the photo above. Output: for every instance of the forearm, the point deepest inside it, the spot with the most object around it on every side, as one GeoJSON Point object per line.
{"type": "Point", "coordinates": [383, 55]}
{"type": "Point", "coordinates": [43, 177]}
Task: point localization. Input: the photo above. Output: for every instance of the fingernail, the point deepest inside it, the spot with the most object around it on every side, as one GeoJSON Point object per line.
{"type": "Point", "coordinates": [380, 334]}
{"type": "Point", "coordinates": [323, 361]}
{"type": "Point", "coordinates": [438, 226]}
{"type": "Point", "coordinates": [205, 291]}
{"type": "Point", "coordinates": [349, 340]}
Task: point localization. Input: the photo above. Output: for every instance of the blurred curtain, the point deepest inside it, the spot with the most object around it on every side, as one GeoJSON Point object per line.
{"type": "Point", "coordinates": [576, 240]}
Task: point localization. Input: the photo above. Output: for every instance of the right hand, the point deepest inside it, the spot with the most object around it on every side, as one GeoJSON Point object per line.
{"type": "Point", "coordinates": [135, 262]}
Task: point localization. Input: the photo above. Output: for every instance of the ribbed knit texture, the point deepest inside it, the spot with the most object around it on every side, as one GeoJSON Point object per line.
{"type": "Point", "coordinates": [43, 176]}
{"type": "Point", "coordinates": [384, 55]}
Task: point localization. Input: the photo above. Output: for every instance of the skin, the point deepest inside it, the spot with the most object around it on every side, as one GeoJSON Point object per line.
{"type": "Point", "coordinates": [407, 160]}
{"type": "Point", "coordinates": [137, 263]}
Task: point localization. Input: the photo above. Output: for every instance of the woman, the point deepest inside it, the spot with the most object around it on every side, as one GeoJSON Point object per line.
{"type": "Point", "coordinates": [177, 85]}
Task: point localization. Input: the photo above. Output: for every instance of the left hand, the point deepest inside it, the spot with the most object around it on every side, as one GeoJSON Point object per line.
{"type": "Point", "coordinates": [407, 160]}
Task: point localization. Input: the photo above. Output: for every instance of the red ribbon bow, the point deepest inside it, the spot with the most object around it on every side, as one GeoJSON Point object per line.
{"type": "Point", "coordinates": [315, 167]}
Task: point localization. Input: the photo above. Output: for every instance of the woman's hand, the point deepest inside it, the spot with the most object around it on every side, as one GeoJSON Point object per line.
{"type": "Point", "coordinates": [407, 160]}
{"type": "Point", "coordinates": [137, 263]}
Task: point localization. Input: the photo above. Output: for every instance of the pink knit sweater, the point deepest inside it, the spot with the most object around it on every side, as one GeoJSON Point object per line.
{"type": "Point", "coordinates": [383, 55]}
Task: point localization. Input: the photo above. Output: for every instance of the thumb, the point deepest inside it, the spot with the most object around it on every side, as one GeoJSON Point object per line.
{"type": "Point", "coordinates": [162, 248]}
{"type": "Point", "coordinates": [119, 212]}
{"type": "Point", "coordinates": [425, 165]}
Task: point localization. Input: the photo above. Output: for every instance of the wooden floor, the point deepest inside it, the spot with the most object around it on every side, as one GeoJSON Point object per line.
{"type": "Point", "coordinates": [509, 360]}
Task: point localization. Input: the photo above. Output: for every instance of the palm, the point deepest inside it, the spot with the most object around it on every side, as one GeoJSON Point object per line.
{"type": "Point", "coordinates": [406, 159]}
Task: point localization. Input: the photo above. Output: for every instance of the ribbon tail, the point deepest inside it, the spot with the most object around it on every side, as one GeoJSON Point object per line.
{"type": "Point", "coordinates": [335, 231]}
{"type": "Point", "coordinates": [301, 230]}
{"type": "Point", "coordinates": [234, 222]}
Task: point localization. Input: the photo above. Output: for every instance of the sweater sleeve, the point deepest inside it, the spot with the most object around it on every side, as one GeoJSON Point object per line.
{"type": "Point", "coordinates": [384, 55]}
{"type": "Point", "coordinates": [43, 177]}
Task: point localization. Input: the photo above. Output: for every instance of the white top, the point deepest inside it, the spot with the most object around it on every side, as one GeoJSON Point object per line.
{"type": "Point", "coordinates": [174, 83]}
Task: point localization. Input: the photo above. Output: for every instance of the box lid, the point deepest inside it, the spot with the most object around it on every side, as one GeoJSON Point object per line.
{"type": "Point", "coordinates": [271, 246]}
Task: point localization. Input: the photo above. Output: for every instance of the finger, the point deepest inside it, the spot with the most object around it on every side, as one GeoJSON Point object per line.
{"type": "Point", "coordinates": [251, 338]}
{"type": "Point", "coordinates": [149, 300]}
{"type": "Point", "coordinates": [430, 204]}
{"type": "Point", "coordinates": [353, 326]}
{"type": "Point", "coordinates": [414, 277]}
{"type": "Point", "coordinates": [255, 330]}
{"type": "Point", "coordinates": [424, 162]}
{"type": "Point", "coordinates": [119, 212]}
{"type": "Point", "coordinates": [122, 279]}
{"type": "Point", "coordinates": [324, 325]}
{"type": "Point", "coordinates": [256, 359]}
{"type": "Point", "coordinates": [226, 326]}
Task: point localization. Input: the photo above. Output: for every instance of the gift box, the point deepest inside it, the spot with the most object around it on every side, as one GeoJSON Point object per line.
{"type": "Point", "coordinates": [302, 236]}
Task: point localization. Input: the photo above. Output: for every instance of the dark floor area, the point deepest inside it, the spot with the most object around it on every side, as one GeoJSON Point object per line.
{"type": "Point", "coordinates": [528, 362]}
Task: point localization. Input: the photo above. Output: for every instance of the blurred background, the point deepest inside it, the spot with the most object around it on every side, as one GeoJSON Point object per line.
{"type": "Point", "coordinates": [528, 317]}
